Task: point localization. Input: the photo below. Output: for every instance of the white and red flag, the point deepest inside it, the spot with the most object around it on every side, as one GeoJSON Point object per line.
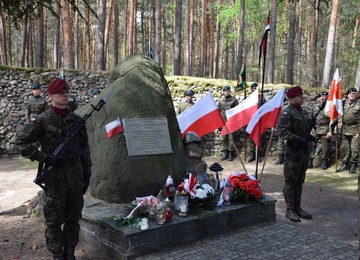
{"type": "Point", "coordinates": [113, 128]}
{"type": "Point", "coordinates": [334, 107]}
{"type": "Point", "coordinates": [240, 115]}
{"type": "Point", "coordinates": [201, 118]}
{"type": "Point", "coordinates": [266, 117]}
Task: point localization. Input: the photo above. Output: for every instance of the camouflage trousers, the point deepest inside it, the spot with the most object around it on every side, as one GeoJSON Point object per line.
{"type": "Point", "coordinates": [294, 175]}
{"type": "Point", "coordinates": [63, 205]}
{"type": "Point", "coordinates": [280, 145]}
{"type": "Point", "coordinates": [227, 142]}
{"type": "Point", "coordinates": [349, 150]}
{"type": "Point", "coordinates": [325, 147]}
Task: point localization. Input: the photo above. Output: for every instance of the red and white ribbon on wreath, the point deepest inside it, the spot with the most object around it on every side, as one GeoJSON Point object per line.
{"type": "Point", "coordinates": [190, 185]}
{"type": "Point", "coordinates": [141, 201]}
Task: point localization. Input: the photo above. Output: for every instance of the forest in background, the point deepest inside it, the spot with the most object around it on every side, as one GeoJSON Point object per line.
{"type": "Point", "coordinates": [307, 41]}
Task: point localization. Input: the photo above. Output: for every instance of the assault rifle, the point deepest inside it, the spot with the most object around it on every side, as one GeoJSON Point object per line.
{"type": "Point", "coordinates": [308, 132]}
{"type": "Point", "coordinates": [67, 143]}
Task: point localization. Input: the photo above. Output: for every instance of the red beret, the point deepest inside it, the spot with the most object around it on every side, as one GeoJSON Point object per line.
{"type": "Point", "coordinates": [294, 92]}
{"type": "Point", "coordinates": [56, 86]}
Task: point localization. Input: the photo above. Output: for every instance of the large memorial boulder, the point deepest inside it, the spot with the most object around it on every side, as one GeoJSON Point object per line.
{"type": "Point", "coordinates": [138, 90]}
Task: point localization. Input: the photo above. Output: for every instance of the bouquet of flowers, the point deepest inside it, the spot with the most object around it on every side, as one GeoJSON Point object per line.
{"type": "Point", "coordinates": [244, 187]}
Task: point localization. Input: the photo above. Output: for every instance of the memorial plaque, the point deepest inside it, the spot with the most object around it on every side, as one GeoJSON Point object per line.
{"type": "Point", "coordinates": [147, 136]}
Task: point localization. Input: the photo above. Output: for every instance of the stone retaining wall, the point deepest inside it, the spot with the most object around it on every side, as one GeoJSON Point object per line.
{"type": "Point", "coordinates": [15, 91]}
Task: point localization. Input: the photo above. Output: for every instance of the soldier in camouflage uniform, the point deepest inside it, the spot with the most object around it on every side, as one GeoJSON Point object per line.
{"type": "Point", "coordinates": [323, 133]}
{"type": "Point", "coordinates": [70, 174]}
{"type": "Point", "coordinates": [349, 150]}
{"type": "Point", "coordinates": [226, 102]}
{"type": "Point", "coordinates": [36, 104]}
{"type": "Point", "coordinates": [72, 104]}
{"type": "Point", "coordinates": [189, 94]}
{"type": "Point", "coordinates": [292, 125]}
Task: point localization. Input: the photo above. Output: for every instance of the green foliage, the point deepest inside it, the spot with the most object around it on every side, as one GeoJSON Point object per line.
{"type": "Point", "coordinates": [18, 10]}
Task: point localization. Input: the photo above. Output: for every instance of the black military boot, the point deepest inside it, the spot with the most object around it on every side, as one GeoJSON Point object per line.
{"type": "Point", "coordinates": [252, 157]}
{"type": "Point", "coordinates": [292, 216]}
{"type": "Point", "coordinates": [324, 165]}
{"type": "Point", "coordinates": [352, 168]}
{"type": "Point", "coordinates": [231, 156]}
{"type": "Point", "coordinates": [280, 160]}
{"type": "Point", "coordinates": [225, 156]}
{"type": "Point", "coordinates": [310, 164]}
{"type": "Point", "coordinates": [342, 168]}
{"type": "Point", "coordinates": [302, 214]}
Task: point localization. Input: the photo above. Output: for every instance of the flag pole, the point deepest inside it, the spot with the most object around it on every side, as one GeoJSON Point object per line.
{"type": "Point", "coordinates": [336, 147]}
{"type": "Point", "coordinates": [236, 150]}
{"type": "Point", "coordinates": [266, 154]}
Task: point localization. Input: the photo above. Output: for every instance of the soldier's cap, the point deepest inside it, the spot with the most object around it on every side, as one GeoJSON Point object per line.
{"type": "Point", "coordinates": [226, 88]}
{"type": "Point", "coordinates": [294, 92]}
{"type": "Point", "coordinates": [96, 91]}
{"type": "Point", "coordinates": [35, 86]}
{"type": "Point", "coordinates": [254, 85]}
{"type": "Point", "coordinates": [57, 85]}
{"type": "Point", "coordinates": [324, 93]}
{"type": "Point", "coordinates": [351, 90]}
{"type": "Point", "coordinates": [189, 92]}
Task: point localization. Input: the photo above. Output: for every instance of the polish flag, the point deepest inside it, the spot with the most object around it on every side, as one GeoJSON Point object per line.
{"type": "Point", "coordinates": [240, 115]}
{"type": "Point", "coordinates": [266, 117]}
{"type": "Point", "coordinates": [113, 128]}
{"type": "Point", "coordinates": [333, 107]}
{"type": "Point", "coordinates": [202, 118]}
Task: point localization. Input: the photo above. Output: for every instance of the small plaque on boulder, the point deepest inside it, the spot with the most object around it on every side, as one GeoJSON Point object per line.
{"type": "Point", "coordinates": [147, 136]}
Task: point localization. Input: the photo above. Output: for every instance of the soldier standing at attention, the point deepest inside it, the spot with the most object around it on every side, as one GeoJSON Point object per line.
{"type": "Point", "coordinates": [226, 102]}
{"type": "Point", "coordinates": [70, 174]}
{"type": "Point", "coordinates": [323, 133]}
{"type": "Point", "coordinates": [349, 150]}
{"type": "Point", "coordinates": [189, 94]}
{"type": "Point", "coordinates": [293, 123]}
{"type": "Point", "coordinates": [36, 104]}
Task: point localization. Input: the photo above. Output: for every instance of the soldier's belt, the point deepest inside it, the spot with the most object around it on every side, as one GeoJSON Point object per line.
{"type": "Point", "coordinates": [322, 124]}
{"type": "Point", "coordinates": [351, 123]}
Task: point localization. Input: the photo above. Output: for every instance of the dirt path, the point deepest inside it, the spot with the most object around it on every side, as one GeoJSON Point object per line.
{"type": "Point", "coordinates": [330, 197]}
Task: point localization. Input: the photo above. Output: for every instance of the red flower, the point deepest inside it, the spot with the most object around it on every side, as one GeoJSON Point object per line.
{"type": "Point", "coordinates": [257, 193]}
{"type": "Point", "coordinates": [243, 177]}
{"type": "Point", "coordinates": [242, 185]}
{"type": "Point", "coordinates": [252, 183]}
{"type": "Point", "coordinates": [235, 182]}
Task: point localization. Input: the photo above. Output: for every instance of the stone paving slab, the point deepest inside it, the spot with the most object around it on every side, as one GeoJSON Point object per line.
{"type": "Point", "coordinates": [269, 242]}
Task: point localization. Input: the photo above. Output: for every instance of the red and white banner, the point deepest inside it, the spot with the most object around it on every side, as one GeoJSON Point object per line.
{"type": "Point", "coordinates": [240, 115]}
{"type": "Point", "coordinates": [201, 118]}
{"type": "Point", "coordinates": [334, 107]}
{"type": "Point", "coordinates": [113, 128]}
{"type": "Point", "coordinates": [266, 117]}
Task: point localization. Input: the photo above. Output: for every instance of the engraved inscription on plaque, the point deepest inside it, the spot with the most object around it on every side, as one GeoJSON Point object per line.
{"type": "Point", "coordinates": [147, 136]}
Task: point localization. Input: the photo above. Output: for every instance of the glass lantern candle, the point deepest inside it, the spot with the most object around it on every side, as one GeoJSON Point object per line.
{"type": "Point", "coordinates": [184, 206]}
{"type": "Point", "coordinates": [160, 216]}
{"type": "Point", "coordinates": [226, 194]}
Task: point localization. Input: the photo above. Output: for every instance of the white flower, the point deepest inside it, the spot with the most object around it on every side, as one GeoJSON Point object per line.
{"type": "Point", "coordinates": [203, 191]}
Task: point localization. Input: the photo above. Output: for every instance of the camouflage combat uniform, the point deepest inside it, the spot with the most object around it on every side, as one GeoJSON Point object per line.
{"type": "Point", "coordinates": [321, 129]}
{"type": "Point", "coordinates": [64, 195]}
{"type": "Point", "coordinates": [34, 106]}
{"type": "Point", "coordinates": [349, 150]}
{"type": "Point", "coordinates": [292, 125]}
{"type": "Point", "coordinates": [226, 103]}
{"type": "Point", "coordinates": [184, 106]}
{"type": "Point", "coordinates": [72, 104]}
